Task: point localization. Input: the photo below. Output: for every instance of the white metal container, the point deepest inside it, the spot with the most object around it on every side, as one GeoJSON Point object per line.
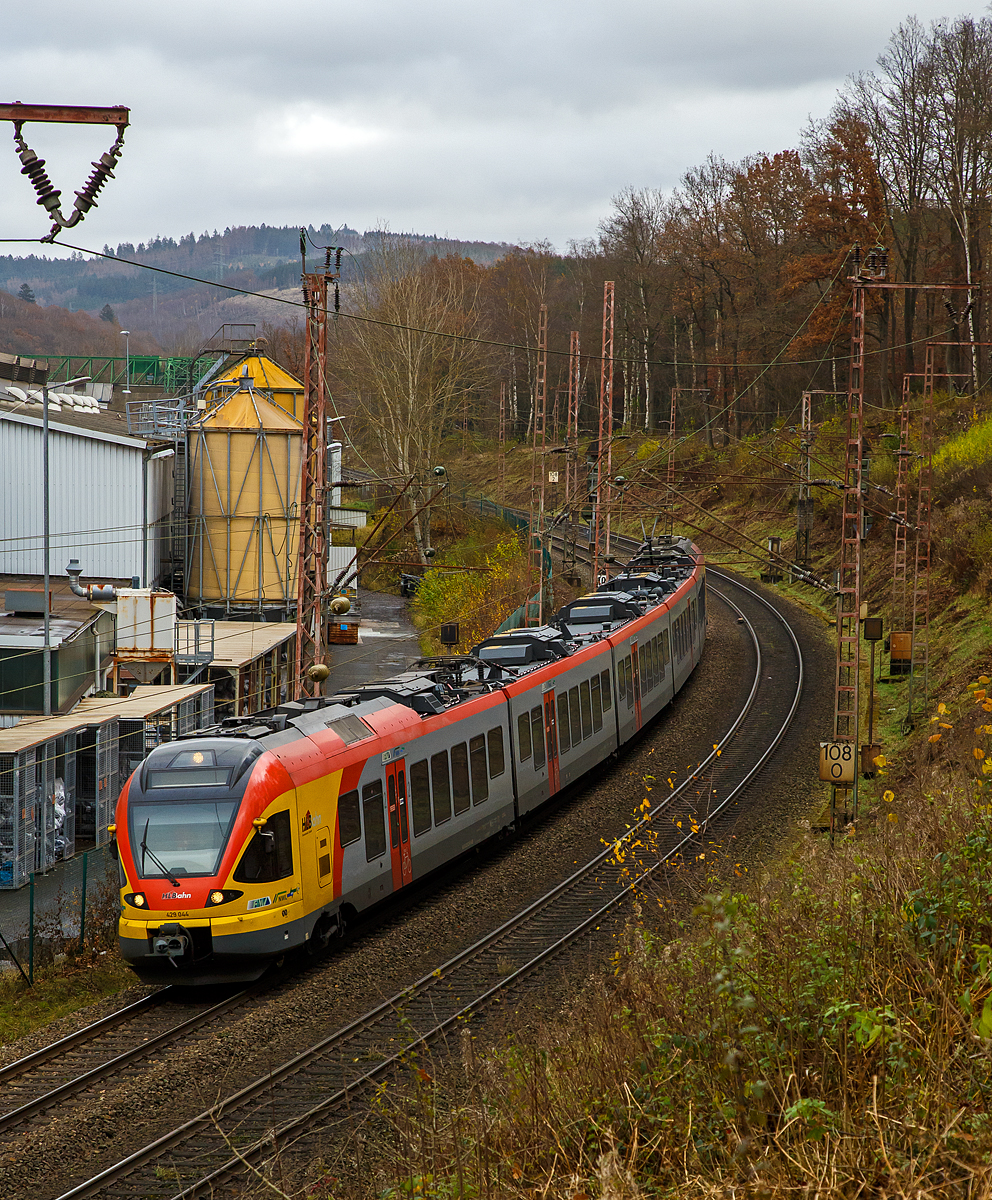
{"type": "Point", "coordinates": [146, 621]}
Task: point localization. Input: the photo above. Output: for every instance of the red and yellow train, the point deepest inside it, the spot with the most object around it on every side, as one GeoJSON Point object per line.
{"type": "Point", "coordinates": [268, 832]}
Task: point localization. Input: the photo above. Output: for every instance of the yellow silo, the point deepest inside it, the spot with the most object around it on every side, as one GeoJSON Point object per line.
{"type": "Point", "coordinates": [264, 375]}
{"type": "Point", "coordinates": [245, 461]}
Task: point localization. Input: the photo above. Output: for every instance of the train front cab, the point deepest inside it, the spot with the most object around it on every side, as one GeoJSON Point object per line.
{"type": "Point", "coordinates": [209, 848]}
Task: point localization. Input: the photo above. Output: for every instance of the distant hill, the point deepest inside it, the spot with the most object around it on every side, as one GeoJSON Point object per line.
{"type": "Point", "coordinates": [176, 312]}
{"type": "Point", "coordinates": [30, 329]}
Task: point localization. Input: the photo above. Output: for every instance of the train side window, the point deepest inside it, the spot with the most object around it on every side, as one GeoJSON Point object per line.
{"type": "Point", "coordinates": [605, 688]}
{"type": "Point", "coordinates": [597, 704]}
{"type": "Point", "coordinates": [574, 719]}
{"type": "Point", "coordinates": [477, 761]}
{"type": "Point", "coordinates": [523, 736]}
{"type": "Point", "coordinates": [349, 818]}
{"type": "Point", "coordinates": [537, 736]}
{"type": "Point", "coordinates": [459, 777]}
{"type": "Point", "coordinates": [662, 653]}
{"type": "Point", "coordinates": [442, 787]}
{"type": "Point", "coordinates": [585, 703]}
{"type": "Point", "coordinates": [630, 682]}
{"type": "Point", "coordinates": [497, 763]}
{"type": "Point", "coordinates": [375, 824]}
{"type": "Point", "coordinates": [621, 680]}
{"type": "Point", "coordinates": [269, 855]}
{"type": "Point", "coordinates": [564, 738]}
{"type": "Point", "coordinates": [655, 663]}
{"type": "Point", "coordinates": [420, 797]}
{"type": "Point", "coordinates": [648, 667]}
{"type": "Point", "coordinates": [394, 816]}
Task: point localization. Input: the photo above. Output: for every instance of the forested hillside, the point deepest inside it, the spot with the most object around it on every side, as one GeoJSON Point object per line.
{"type": "Point", "coordinates": [255, 258]}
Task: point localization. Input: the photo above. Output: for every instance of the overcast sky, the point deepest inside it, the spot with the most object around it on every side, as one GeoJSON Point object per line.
{"type": "Point", "coordinates": [512, 121]}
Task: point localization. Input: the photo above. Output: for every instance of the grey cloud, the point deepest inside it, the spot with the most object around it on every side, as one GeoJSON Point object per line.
{"type": "Point", "coordinates": [515, 120]}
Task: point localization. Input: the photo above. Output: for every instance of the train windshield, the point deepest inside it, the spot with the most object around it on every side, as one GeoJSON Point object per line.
{"type": "Point", "coordinates": [173, 838]}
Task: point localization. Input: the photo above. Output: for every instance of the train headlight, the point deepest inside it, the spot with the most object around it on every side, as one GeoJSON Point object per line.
{"type": "Point", "coordinates": [222, 897]}
{"type": "Point", "coordinates": [136, 899]}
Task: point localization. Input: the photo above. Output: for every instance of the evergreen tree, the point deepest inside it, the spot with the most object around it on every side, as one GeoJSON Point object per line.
{"type": "Point", "coordinates": [108, 314]}
{"type": "Point", "coordinates": [26, 294]}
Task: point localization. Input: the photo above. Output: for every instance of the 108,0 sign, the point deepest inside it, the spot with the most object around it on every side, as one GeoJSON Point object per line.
{"type": "Point", "coordinates": [837, 762]}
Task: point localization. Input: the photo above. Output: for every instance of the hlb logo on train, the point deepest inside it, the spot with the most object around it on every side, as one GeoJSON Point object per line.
{"type": "Point", "coordinates": [837, 762]}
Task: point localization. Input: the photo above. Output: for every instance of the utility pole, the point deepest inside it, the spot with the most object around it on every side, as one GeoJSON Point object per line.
{"type": "Point", "coordinates": [312, 561]}
{"type": "Point", "coordinates": [901, 638]}
{"type": "Point", "coordinates": [605, 447]}
{"type": "Point", "coordinates": [537, 490]}
{"type": "Point", "coordinates": [572, 422]}
{"type": "Point", "coordinates": [846, 678]}
{"type": "Point", "coordinates": [804, 505]}
{"type": "Point", "coordinates": [501, 458]}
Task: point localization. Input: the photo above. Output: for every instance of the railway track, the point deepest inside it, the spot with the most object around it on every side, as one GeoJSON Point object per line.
{"type": "Point", "coordinates": [58, 1073]}
{"type": "Point", "coordinates": [205, 1155]}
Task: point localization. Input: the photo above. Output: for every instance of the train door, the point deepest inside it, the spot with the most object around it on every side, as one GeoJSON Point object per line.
{"type": "Point", "coordinates": [551, 737]}
{"type": "Point", "coordinates": [635, 663]}
{"type": "Point", "coordinates": [322, 849]}
{"type": "Point", "coordinates": [399, 823]}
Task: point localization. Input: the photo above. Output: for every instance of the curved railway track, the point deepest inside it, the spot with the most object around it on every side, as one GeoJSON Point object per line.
{"type": "Point", "coordinates": [276, 1110]}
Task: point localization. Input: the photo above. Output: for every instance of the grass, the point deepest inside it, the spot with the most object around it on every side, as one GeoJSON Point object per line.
{"type": "Point", "coordinates": [59, 989]}
{"type": "Point", "coordinates": [66, 979]}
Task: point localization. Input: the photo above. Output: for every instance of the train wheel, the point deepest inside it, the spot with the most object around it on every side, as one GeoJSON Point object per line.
{"type": "Point", "coordinates": [320, 939]}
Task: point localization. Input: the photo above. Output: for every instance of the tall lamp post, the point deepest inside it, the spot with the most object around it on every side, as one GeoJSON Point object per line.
{"type": "Point", "coordinates": [46, 539]}
{"type": "Point", "coordinates": [126, 335]}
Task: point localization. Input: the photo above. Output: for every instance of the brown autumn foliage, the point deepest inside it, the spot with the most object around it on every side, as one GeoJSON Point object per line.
{"type": "Point", "coordinates": [28, 329]}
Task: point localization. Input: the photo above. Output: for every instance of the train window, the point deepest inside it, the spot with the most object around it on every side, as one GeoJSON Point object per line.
{"type": "Point", "coordinates": [269, 855]}
{"type": "Point", "coordinates": [605, 688]}
{"type": "Point", "coordinates": [350, 729]}
{"type": "Point", "coordinates": [375, 824]}
{"type": "Point", "coordinates": [655, 670]}
{"type": "Point", "coordinates": [459, 777]}
{"type": "Point", "coordinates": [564, 738]}
{"type": "Point", "coordinates": [394, 816]}
{"type": "Point", "coordinates": [349, 818]}
{"type": "Point", "coordinates": [621, 680]}
{"type": "Point", "coordinates": [630, 682]}
{"type": "Point", "coordinates": [477, 760]}
{"type": "Point", "coordinates": [497, 764]}
{"type": "Point", "coordinates": [404, 818]}
{"type": "Point", "coordinates": [666, 654]}
{"type": "Point", "coordinates": [537, 736]}
{"type": "Point", "coordinates": [574, 720]}
{"type": "Point", "coordinates": [442, 787]}
{"type": "Point", "coordinates": [523, 736]}
{"type": "Point", "coordinates": [420, 796]}
{"type": "Point", "coordinates": [585, 703]}
{"type": "Point", "coordinates": [597, 704]}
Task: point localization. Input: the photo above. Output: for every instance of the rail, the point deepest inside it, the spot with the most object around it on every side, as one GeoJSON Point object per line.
{"type": "Point", "coordinates": [302, 1092]}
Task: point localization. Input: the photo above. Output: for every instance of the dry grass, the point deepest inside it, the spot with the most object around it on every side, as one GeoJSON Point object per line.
{"type": "Point", "coordinates": [823, 1030]}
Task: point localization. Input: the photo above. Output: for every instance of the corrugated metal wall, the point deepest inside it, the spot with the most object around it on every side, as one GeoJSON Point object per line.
{"type": "Point", "coordinates": [95, 502]}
